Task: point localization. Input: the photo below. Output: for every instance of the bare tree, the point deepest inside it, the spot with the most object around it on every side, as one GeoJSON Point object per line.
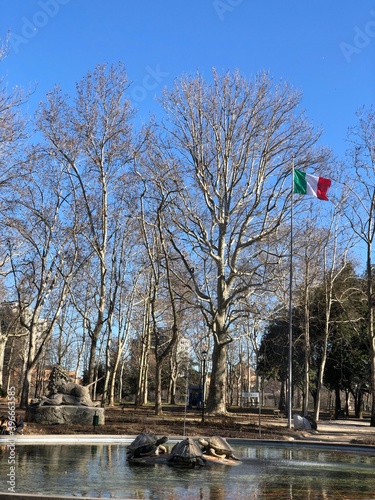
{"type": "Point", "coordinates": [144, 343]}
{"type": "Point", "coordinates": [68, 340]}
{"type": "Point", "coordinates": [361, 215]}
{"type": "Point", "coordinates": [307, 263]}
{"type": "Point", "coordinates": [42, 254]}
{"type": "Point", "coordinates": [12, 136]}
{"type": "Point", "coordinates": [228, 145]}
{"type": "Point", "coordinates": [124, 323]}
{"type": "Point", "coordinates": [336, 247]}
{"type": "Point", "coordinates": [165, 309]}
{"type": "Point", "coordinates": [122, 289]}
{"type": "Point", "coordinates": [10, 329]}
{"type": "Point", "coordinates": [12, 127]}
{"type": "Point", "coordinates": [92, 138]}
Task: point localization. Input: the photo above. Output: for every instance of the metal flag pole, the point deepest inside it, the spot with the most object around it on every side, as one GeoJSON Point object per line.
{"type": "Point", "coordinates": [290, 351]}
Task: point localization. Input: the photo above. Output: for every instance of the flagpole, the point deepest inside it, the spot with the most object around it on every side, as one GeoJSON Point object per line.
{"type": "Point", "coordinates": [290, 351]}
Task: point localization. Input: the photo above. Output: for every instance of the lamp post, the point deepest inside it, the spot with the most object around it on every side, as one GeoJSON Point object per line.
{"type": "Point", "coordinates": [204, 357]}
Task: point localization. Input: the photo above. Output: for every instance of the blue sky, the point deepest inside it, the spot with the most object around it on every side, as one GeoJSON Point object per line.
{"type": "Point", "coordinates": [325, 48]}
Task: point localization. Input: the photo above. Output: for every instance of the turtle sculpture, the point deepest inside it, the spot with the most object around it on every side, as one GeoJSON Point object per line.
{"type": "Point", "coordinates": [145, 445]}
{"type": "Point", "coordinates": [186, 453]}
{"type": "Point", "coordinates": [217, 447]}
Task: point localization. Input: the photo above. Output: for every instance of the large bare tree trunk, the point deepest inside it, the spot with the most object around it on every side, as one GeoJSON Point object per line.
{"type": "Point", "coordinates": [3, 342]}
{"type": "Point", "coordinates": [217, 394]}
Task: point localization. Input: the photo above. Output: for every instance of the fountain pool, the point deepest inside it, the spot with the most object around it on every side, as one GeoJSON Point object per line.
{"type": "Point", "coordinates": [271, 470]}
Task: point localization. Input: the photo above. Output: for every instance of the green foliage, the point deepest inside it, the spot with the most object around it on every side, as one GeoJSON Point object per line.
{"type": "Point", "coordinates": [348, 362]}
{"type": "Point", "coordinates": [273, 351]}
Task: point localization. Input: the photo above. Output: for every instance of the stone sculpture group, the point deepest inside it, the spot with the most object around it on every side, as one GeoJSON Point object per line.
{"type": "Point", "coordinates": [65, 403]}
{"type": "Point", "coordinates": [63, 391]}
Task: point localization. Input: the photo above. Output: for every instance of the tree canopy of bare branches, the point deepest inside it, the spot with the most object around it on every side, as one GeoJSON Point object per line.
{"type": "Point", "coordinates": [227, 146]}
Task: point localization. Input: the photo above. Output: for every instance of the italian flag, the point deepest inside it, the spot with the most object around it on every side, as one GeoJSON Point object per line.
{"type": "Point", "coordinates": [310, 184]}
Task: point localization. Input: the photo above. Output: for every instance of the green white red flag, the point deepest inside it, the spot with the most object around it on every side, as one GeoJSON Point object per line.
{"type": "Point", "coordinates": [311, 184]}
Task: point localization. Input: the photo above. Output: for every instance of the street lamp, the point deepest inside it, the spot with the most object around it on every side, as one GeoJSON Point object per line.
{"type": "Point", "coordinates": [204, 357]}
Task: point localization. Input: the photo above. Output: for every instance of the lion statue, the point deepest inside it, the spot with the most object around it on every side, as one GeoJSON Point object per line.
{"type": "Point", "coordinates": [63, 391]}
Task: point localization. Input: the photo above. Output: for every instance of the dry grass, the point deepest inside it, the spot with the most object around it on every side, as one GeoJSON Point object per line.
{"type": "Point", "coordinates": [129, 420]}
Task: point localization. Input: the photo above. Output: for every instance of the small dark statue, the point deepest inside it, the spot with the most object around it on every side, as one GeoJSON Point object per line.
{"type": "Point", "coordinates": [63, 391]}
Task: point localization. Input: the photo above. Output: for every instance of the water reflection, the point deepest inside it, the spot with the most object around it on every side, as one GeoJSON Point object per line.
{"type": "Point", "coordinates": [265, 472]}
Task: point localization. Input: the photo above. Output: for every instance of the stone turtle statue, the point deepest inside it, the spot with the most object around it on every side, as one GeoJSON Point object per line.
{"type": "Point", "coordinates": [63, 391]}
{"type": "Point", "coordinates": [186, 453]}
{"type": "Point", "coordinates": [217, 447]}
{"type": "Point", "coordinates": [146, 444]}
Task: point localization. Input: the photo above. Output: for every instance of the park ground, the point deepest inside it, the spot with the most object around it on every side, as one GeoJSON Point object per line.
{"type": "Point", "coordinates": [240, 423]}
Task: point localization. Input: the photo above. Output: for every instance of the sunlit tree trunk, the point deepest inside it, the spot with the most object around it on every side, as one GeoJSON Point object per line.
{"type": "Point", "coordinates": [370, 301]}
{"type": "Point", "coordinates": [173, 369]}
{"type": "Point", "coordinates": [306, 308]}
{"type": "Point", "coordinates": [3, 341]}
{"type": "Point", "coordinates": [145, 344]}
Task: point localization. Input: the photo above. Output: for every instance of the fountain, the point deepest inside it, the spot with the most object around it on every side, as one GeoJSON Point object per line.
{"type": "Point", "coordinates": [267, 470]}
